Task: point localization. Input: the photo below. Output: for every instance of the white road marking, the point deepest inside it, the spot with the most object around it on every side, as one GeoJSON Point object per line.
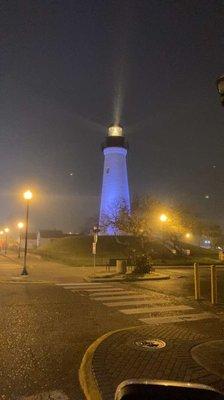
{"type": "Point", "coordinates": [79, 284]}
{"type": "Point", "coordinates": [86, 288]}
{"type": "Point", "coordinates": [120, 296]}
{"type": "Point", "coordinates": [180, 318]}
{"type": "Point", "coordinates": [111, 294]}
{"type": "Point", "coordinates": [105, 289]}
{"type": "Point", "coordinates": [131, 303]}
{"type": "Point", "coordinates": [146, 310]}
{"type": "Point", "coordinates": [105, 293]}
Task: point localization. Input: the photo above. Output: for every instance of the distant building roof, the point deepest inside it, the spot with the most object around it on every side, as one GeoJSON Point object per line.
{"type": "Point", "coordinates": [30, 236]}
{"type": "Point", "coordinates": [51, 234]}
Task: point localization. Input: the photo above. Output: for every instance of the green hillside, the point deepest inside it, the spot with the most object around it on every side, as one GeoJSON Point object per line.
{"type": "Point", "coordinates": [77, 251]}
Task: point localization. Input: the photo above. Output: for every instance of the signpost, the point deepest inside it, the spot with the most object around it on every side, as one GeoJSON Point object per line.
{"type": "Point", "coordinates": [96, 230]}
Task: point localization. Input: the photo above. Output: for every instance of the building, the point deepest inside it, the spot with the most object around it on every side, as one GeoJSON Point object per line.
{"type": "Point", "coordinates": [115, 188]}
{"type": "Point", "coordinates": [45, 236]}
{"type": "Point", "coordinates": [31, 240]}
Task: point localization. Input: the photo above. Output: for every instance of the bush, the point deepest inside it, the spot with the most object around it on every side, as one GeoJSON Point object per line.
{"type": "Point", "coordinates": [142, 265]}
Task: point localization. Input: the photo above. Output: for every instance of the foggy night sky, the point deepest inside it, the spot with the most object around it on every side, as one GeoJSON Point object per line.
{"type": "Point", "coordinates": [64, 67]}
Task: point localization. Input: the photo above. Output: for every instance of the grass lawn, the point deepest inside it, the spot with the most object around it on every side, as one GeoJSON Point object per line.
{"type": "Point", "coordinates": [77, 251]}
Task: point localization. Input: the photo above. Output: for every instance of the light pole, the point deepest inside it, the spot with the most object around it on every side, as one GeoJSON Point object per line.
{"type": "Point", "coordinates": [27, 196]}
{"type": "Point", "coordinates": [20, 226]}
{"type": "Point", "coordinates": [163, 218]}
{"type": "Point", "coordinates": [1, 233]}
{"type": "Point", "coordinates": [6, 239]}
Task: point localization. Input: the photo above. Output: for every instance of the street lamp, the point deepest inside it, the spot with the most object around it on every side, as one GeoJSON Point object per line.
{"type": "Point", "coordinates": [6, 239]}
{"type": "Point", "coordinates": [1, 233]}
{"type": "Point", "coordinates": [188, 235]}
{"type": "Point", "coordinates": [163, 218]}
{"type": "Point", "coordinates": [27, 196]}
{"type": "Point", "coordinates": [20, 226]}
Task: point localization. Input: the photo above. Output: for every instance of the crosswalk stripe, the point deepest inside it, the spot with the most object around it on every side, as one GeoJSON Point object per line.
{"type": "Point", "coordinates": [86, 288]}
{"type": "Point", "coordinates": [146, 310]}
{"type": "Point", "coordinates": [119, 296]}
{"type": "Point", "coordinates": [79, 284]}
{"type": "Point", "coordinates": [132, 303]}
{"type": "Point", "coordinates": [103, 294]}
{"type": "Point", "coordinates": [105, 289]}
{"type": "Point", "coordinates": [178, 318]}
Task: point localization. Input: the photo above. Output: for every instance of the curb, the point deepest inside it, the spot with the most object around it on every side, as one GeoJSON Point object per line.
{"type": "Point", "coordinates": [127, 280]}
{"type": "Point", "coordinates": [23, 280]}
{"type": "Point", "coordinates": [87, 378]}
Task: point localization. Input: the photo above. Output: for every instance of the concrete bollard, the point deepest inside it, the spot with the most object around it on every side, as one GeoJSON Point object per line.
{"type": "Point", "coordinates": [121, 267]}
{"type": "Point", "coordinates": [197, 289]}
{"type": "Point", "coordinates": [213, 284]}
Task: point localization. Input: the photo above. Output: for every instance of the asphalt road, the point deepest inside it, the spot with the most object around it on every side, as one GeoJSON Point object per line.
{"type": "Point", "coordinates": [45, 329]}
{"type": "Point", "coordinates": [44, 332]}
{"type": "Point", "coordinates": [181, 282]}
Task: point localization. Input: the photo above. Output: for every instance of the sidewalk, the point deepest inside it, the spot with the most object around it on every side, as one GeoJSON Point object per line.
{"type": "Point", "coordinates": [193, 353]}
{"type": "Point", "coordinates": [41, 270]}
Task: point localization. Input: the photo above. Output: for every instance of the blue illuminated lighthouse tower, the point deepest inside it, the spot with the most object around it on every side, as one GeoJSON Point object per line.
{"type": "Point", "coordinates": [115, 188]}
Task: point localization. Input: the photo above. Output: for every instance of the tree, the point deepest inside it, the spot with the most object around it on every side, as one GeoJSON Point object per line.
{"type": "Point", "coordinates": [144, 223]}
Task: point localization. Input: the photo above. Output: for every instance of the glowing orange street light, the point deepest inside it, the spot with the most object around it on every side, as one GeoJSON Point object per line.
{"type": "Point", "coordinates": [20, 226]}
{"type": "Point", "coordinates": [188, 235]}
{"type": "Point", "coordinates": [28, 195]}
{"type": "Point", "coordinates": [163, 218]}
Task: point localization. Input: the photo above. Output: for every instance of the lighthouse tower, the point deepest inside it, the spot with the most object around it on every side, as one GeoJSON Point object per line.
{"type": "Point", "coordinates": [115, 188]}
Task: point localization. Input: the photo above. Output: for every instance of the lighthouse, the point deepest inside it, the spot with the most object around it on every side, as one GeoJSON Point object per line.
{"type": "Point", "coordinates": [115, 189]}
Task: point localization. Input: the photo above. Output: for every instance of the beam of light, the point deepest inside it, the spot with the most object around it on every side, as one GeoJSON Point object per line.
{"type": "Point", "coordinates": [119, 97]}
{"type": "Point", "coordinates": [61, 102]}
{"type": "Point", "coordinates": [122, 46]}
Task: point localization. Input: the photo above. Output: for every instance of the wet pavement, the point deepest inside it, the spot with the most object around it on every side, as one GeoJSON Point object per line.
{"type": "Point", "coordinates": [45, 329]}
{"type": "Point", "coordinates": [44, 333]}
{"type": "Point", "coordinates": [181, 282]}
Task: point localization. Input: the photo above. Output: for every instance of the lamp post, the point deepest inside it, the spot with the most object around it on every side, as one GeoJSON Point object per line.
{"type": "Point", "coordinates": [27, 196]}
{"type": "Point", "coordinates": [1, 233]}
{"type": "Point", "coordinates": [6, 239]}
{"type": "Point", "coordinates": [163, 218]}
{"type": "Point", "coordinates": [20, 226]}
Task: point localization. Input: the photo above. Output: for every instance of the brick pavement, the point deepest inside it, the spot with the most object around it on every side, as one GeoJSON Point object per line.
{"type": "Point", "coordinates": [118, 358]}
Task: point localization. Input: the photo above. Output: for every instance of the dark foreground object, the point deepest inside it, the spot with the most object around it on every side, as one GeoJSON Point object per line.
{"type": "Point", "coordinates": [165, 390]}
